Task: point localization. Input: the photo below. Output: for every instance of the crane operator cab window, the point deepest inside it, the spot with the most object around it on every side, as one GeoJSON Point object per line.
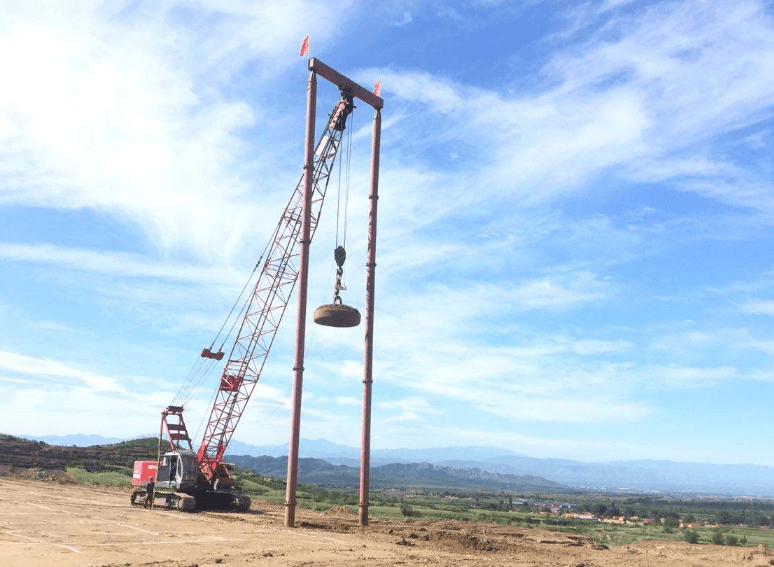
{"type": "Point", "coordinates": [171, 471]}
{"type": "Point", "coordinates": [173, 468]}
{"type": "Point", "coordinates": [162, 475]}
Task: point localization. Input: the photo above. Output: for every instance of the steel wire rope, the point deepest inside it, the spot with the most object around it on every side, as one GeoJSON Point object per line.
{"type": "Point", "coordinates": [195, 384]}
{"type": "Point", "coordinates": [203, 366]}
{"type": "Point", "coordinates": [345, 164]}
{"type": "Point", "coordinates": [311, 342]}
{"type": "Point", "coordinates": [257, 264]}
{"type": "Point", "coordinates": [205, 415]}
{"type": "Point", "coordinates": [184, 384]}
{"type": "Point", "coordinates": [196, 375]}
{"type": "Point", "coordinates": [292, 231]}
{"type": "Point", "coordinates": [338, 202]}
{"type": "Point", "coordinates": [347, 171]}
{"type": "Point", "coordinates": [194, 378]}
{"type": "Point", "coordinates": [266, 417]}
{"type": "Point", "coordinates": [282, 403]}
{"type": "Point", "coordinates": [204, 373]}
{"type": "Point", "coordinates": [241, 293]}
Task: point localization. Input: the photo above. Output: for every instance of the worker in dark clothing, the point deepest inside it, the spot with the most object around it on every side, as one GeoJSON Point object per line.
{"type": "Point", "coordinates": [149, 488]}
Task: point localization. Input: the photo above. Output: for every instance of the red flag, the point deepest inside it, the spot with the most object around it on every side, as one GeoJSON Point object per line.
{"type": "Point", "coordinates": [378, 88]}
{"type": "Point", "coordinates": [304, 46]}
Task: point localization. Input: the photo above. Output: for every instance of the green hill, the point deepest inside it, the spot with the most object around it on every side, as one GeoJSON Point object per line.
{"type": "Point", "coordinates": [17, 453]}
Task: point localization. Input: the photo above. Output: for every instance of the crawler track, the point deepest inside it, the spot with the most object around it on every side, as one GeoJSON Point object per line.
{"type": "Point", "coordinates": [169, 500]}
{"type": "Point", "coordinates": [188, 503]}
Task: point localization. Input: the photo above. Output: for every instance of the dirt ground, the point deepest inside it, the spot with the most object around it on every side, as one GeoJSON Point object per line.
{"type": "Point", "coordinates": [46, 523]}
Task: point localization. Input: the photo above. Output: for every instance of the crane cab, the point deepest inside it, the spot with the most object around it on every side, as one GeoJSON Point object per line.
{"type": "Point", "coordinates": [177, 470]}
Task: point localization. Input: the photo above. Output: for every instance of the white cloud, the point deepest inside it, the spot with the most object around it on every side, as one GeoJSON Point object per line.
{"type": "Point", "coordinates": [37, 369]}
{"type": "Point", "coordinates": [113, 263]}
{"type": "Point", "coordinates": [52, 326]}
{"type": "Point", "coordinates": [459, 305]}
{"type": "Point", "coordinates": [760, 307]}
{"type": "Point", "coordinates": [128, 111]}
{"type": "Point", "coordinates": [678, 376]}
{"type": "Point", "coordinates": [646, 96]}
{"type": "Point", "coordinates": [567, 290]}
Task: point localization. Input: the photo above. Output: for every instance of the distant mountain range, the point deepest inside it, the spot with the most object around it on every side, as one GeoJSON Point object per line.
{"type": "Point", "coordinates": [345, 455]}
{"type": "Point", "coordinates": [660, 476]}
{"type": "Point", "coordinates": [78, 439]}
{"type": "Point", "coordinates": [397, 475]}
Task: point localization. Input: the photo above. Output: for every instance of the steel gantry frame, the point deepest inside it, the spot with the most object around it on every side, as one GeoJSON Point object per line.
{"type": "Point", "coordinates": [344, 84]}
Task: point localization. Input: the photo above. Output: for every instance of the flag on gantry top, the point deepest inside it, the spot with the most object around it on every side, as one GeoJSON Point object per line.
{"type": "Point", "coordinates": [378, 88]}
{"type": "Point", "coordinates": [304, 46]}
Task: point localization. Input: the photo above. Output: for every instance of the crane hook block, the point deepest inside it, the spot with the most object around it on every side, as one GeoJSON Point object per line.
{"type": "Point", "coordinates": [337, 315]}
{"type": "Point", "coordinates": [340, 255]}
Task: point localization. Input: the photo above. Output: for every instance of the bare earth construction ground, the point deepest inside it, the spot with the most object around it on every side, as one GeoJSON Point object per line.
{"type": "Point", "coordinates": [46, 523]}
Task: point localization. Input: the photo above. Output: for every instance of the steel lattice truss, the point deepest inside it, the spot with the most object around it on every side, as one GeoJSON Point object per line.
{"type": "Point", "coordinates": [269, 299]}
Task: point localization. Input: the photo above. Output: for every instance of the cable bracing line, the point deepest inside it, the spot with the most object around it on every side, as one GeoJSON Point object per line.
{"type": "Point", "coordinates": [202, 367]}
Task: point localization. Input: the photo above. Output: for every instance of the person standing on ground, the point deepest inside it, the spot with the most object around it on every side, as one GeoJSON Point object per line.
{"type": "Point", "coordinates": [149, 488]}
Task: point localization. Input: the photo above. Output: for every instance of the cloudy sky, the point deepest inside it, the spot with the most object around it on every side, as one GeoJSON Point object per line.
{"type": "Point", "coordinates": [576, 219]}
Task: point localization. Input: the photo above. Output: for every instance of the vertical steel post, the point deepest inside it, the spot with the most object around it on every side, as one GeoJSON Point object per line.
{"type": "Point", "coordinates": [365, 448]}
{"type": "Point", "coordinates": [303, 278]}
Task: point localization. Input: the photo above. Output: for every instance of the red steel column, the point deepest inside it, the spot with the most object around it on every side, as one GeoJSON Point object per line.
{"type": "Point", "coordinates": [303, 278]}
{"type": "Point", "coordinates": [365, 449]}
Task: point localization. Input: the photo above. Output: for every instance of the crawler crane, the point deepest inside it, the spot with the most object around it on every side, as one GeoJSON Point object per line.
{"type": "Point", "coordinates": [188, 479]}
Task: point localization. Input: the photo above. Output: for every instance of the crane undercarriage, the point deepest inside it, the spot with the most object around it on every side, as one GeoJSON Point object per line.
{"type": "Point", "coordinates": [180, 485]}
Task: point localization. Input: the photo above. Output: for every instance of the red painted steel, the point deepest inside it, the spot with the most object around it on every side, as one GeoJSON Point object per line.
{"type": "Point", "coordinates": [368, 358]}
{"type": "Point", "coordinates": [345, 83]}
{"type": "Point", "coordinates": [172, 422]}
{"type": "Point", "coordinates": [143, 472]}
{"type": "Point", "coordinates": [303, 276]}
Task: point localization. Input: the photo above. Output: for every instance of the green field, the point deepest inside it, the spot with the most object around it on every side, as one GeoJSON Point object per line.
{"type": "Point", "coordinates": [106, 477]}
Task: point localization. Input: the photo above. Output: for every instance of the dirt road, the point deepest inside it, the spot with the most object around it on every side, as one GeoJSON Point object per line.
{"type": "Point", "coordinates": [45, 524]}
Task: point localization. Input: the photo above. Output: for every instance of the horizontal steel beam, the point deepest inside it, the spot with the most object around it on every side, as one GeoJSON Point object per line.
{"type": "Point", "coordinates": [344, 82]}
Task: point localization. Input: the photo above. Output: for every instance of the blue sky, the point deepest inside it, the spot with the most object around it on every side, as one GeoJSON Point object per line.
{"type": "Point", "coordinates": [575, 225]}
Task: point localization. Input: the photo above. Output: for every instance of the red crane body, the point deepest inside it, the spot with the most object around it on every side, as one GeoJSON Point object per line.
{"type": "Point", "coordinates": [263, 313]}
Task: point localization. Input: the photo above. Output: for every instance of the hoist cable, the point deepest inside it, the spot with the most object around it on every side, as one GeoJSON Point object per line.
{"type": "Point", "coordinates": [198, 372]}
{"type": "Point", "coordinates": [234, 323]}
{"type": "Point", "coordinates": [195, 383]}
{"type": "Point", "coordinates": [347, 173]}
{"type": "Point", "coordinates": [338, 203]}
{"type": "Point", "coordinates": [185, 383]}
{"type": "Point", "coordinates": [247, 283]}
{"type": "Point", "coordinates": [250, 277]}
{"type": "Point", "coordinates": [205, 416]}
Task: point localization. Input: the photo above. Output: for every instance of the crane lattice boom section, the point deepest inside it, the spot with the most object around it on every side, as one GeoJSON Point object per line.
{"type": "Point", "coordinates": [269, 299]}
